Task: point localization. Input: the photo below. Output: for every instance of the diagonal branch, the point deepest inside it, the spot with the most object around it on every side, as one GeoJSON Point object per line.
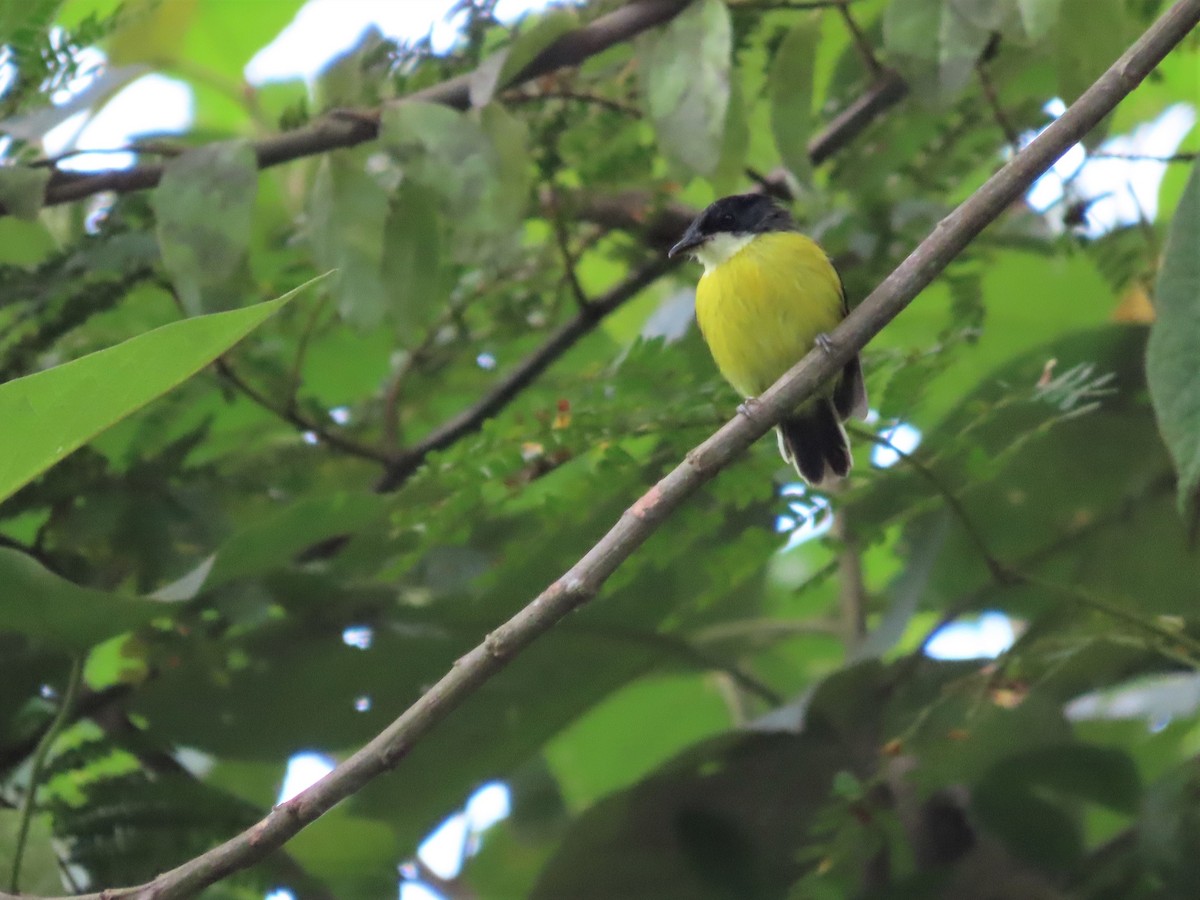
{"type": "Point", "coordinates": [584, 580]}
{"type": "Point", "coordinates": [336, 130]}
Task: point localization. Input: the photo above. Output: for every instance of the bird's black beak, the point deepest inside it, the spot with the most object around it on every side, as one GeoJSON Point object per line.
{"type": "Point", "coordinates": [691, 238]}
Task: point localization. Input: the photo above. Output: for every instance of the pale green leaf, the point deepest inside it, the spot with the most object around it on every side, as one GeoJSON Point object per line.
{"type": "Point", "coordinates": [204, 208]}
{"type": "Point", "coordinates": [730, 173]}
{"type": "Point", "coordinates": [413, 262]}
{"type": "Point", "coordinates": [476, 163]}
{"type": "Point", "coordinates": [1038, 17]}
{"type": "Point", "coordinates": [52, 413]}
{"type": "Point", "coordinates": [935, 45]}
{"type": "Point", "coordinates": [348, 209]}
{"type": "Point", "coordinates": [685, 83]}
{"type": "Point", "coordinates": [39, 864]}
{"type": "Point", "coordinates": [510, 139]}
{"type": "Point", "coordinates": [1174, 346]}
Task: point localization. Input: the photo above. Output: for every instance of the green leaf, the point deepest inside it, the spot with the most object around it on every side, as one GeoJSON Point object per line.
{"type": "Point", "coordinates": [1024, 798]}
{"type": "Point", "coordinates": [43, 606]}
{"type": "Point", "coordinates": [224, 37]}
{"type": "Point", "coordinates": [730, 173]}
{"type": "Point", "coordinates": [685, 83]}
{"type": "Point", "coordinates": [39, 864]}
{"type": "Point", "coordinates": [204, 207]}
{"type": "Point", "coordinates": [791, 89]}
{"type": "Point", "coordinates": [1091, 35]}
{"type": "Point", "coordinates": [275, 540]}
{"type": "Point", "coordinates": [51, 413]}
{"type": "Point", "coordinates": [24, 244]}
{"type": "Point", "coordinates": [22, 190]}
{"type": "Point", "coordinates": [1174, 346]}
{"type": "Point", "coordinates": [934, 45]}
{"type": "Point", "coordinates": [474, 162]}
{"type": "Point", "coordinates": [348, 209]}
{"type": "Point", "coordinates": [412, 262]}
{"type": "Point", "coordinates": [594, 756]}
{"type": "Point", "coordinates": [1038, 17]}
{"type": "Point", "coordinates": [151, 32]}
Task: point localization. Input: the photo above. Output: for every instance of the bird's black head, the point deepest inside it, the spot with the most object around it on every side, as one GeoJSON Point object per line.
{"type": "Point", "coordinates": [741, 215]}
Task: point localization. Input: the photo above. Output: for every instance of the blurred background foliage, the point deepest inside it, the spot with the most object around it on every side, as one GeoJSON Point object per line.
{"type": "Point", "coordinates": [280, 554]}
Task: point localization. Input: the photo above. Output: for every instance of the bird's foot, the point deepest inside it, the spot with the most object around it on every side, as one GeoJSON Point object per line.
{"type": "Point", "coordinates": [748, 407]}
{"type": "Point", "coordinates": [825, 342]}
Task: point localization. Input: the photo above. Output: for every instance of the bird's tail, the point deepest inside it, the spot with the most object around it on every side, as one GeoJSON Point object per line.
{"type": "Point", "coordinates": [816, 444]}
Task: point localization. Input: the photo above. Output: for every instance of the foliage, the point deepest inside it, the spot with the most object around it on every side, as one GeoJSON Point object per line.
{"type": "Point", "coordinates": [416, 445]}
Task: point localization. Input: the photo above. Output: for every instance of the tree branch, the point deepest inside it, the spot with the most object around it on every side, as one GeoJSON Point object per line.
{"type": "Point", "coordinates": [584, 579]}
{"type": "Point", "coordinates": [336, 130]}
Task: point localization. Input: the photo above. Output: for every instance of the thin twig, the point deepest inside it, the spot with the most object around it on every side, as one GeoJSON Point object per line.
{"type": "Point", "coordinates": [583, 580]}
{"type": "Point", "coordinates": [293, 417]}
{"type": "Point", "coordinates": [865, 51]}
{"type": "Point", "coordinates": [686, 651]}
{"type": "Point", "coordinates": [296, 375]}
{"type": "Point", "coordinates": [1139, 157]}
{"type": "Point", "coordinates": [771, 628]}
{"type": "Point", "coordinates": [996, 569]}
{"type": "Point", "coordinates": [564, 249]}
{"type": "Point", "coordinates": [38, 763]}
{"type": "Point", "coordinates": [993, 101]}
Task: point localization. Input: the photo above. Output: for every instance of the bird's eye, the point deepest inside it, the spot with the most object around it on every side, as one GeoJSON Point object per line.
{"type": "Point", "coordinates": [725, 220]}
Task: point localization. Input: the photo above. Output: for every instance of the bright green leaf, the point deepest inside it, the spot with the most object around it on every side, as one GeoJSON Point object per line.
{"type": "Point", "coordinates": [52, 413]}
{"type": "Point", "coordinates": [151, 32]}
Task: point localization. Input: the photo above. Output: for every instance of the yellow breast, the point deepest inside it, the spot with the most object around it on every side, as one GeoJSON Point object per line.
{"type": "Point", "coordinates": [761, 309]}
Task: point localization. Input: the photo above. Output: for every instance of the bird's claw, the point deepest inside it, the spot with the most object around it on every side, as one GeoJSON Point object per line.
{"type": "Point", "coordinates": [748, 407]}
{"type": "Point", "coordinates": [825, 342]}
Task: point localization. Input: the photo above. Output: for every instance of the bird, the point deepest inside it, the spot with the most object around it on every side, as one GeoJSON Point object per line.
{"type": "Point", "coordinates": [768, 294]}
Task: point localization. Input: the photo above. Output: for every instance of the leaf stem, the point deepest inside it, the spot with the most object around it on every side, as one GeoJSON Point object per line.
{"type": "Point", "coordinates": [38, 763]}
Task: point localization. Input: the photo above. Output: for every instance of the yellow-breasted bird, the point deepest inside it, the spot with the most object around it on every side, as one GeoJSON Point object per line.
{"type": "Point", "coordinates": [767, 295]}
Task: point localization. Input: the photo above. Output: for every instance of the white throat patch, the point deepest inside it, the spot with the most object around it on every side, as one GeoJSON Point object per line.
{"type": "Point", "coordinates": [720, 248]}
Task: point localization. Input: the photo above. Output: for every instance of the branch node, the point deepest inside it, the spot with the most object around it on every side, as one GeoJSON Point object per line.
{"type": "Point", "coordinates": [393, 753]}
{"type": "Point", "coordinates": [645, 504]}
{"type": "Point", "coordinates": [496, 647]}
